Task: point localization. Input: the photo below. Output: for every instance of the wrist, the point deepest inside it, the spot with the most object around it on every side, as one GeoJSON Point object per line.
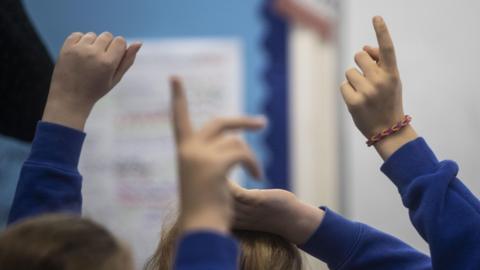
{"type": "Point", "coordinates": [377, 126]}
{"type": "Point", "coordinates": [308, 219]}
{"type": "Point", "coordinates": [392, 143]}
{"type": "Point", "coordinates": [65, 113]}
{"type": "Point", "coordinates": [205, 220]}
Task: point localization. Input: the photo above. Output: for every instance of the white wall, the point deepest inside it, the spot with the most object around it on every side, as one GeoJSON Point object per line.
{"type": "Point", "coordinates": [438, 47]}
{"type": "Point", "coordinates": [313, 128]}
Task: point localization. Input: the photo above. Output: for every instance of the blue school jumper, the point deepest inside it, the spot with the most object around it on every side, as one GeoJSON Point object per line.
{"type": "Point", "coordinates": [444, 212]}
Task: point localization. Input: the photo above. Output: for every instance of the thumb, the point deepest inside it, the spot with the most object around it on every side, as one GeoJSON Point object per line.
{"type": "Point", "coordinates": [126, 62]}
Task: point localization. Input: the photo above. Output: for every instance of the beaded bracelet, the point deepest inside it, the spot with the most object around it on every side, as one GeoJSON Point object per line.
{"type": "Point", "coordinates": [389, 131]}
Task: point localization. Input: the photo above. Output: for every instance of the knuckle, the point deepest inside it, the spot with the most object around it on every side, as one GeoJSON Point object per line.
{"type": "Point", "coordinates": [71, 52]}
{"type": "Point", "coordinates": [107, 34]}
{"type": "Point", "coordinates": [79, 52]}
{"type": "Point", "coordinates": [356, 104]}
{"type": "Point", "coordinates": [87, 52]}
{"type": "Point", "coordinates": [75, 34]}
{"type": "Point", "coordinates": [370, 94]}
{"type": "Point", "coordinates": [388, 48]}
{"type": "Point", "coordinates": [237, 142]}
{"type": "Point", "coordinates": [187, 152]}
{"type": "Point", "coordinates": [380, 82]}
{"type": "Point", "coordinates": [105, 62]}
{"type": "Point", "coordinates": [393, 78]}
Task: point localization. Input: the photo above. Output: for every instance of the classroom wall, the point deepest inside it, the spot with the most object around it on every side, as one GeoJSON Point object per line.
{"type": "Point", "coordinates": [437, 46]}
{"type": "Point", "coordinates": [313, 121]}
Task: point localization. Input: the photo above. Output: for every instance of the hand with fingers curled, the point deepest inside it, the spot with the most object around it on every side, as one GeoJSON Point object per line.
{"type": "Point", "coordinates": [88, 67]}
{"type": "Point", "coordinates": [205, 157]}
{"type": "Point", "coordinates": [373, 94]}
{"type": "Point", "coordinates": [275, 211]}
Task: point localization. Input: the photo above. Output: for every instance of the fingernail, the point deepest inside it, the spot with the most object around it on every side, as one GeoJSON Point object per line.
{"type": "Point", "coordinates": [261, 120]}
{"type": "Point", "coordinates": [174, 78]}
{"type": "Point", "coordinates": [378, 19]}
{"type": "Point", "coordinates": [175, 84]}
{"type": "Point", "coordinates": [140, 44]}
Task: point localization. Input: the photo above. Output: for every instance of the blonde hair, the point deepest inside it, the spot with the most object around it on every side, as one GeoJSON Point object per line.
{"type": "Point", "coordinates": [259, 251]}
{"type": "Point", "coordinates": [61, 242]}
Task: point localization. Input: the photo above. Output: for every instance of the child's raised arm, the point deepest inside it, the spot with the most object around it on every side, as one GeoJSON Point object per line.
{"type": "Point", "coordinates": [373, 94]}
{"type": "Point", "coordinates": [444, 212]}
{"type": "Point", "coordinates": [88, 68]}
{"type": "Point", "coordinates": [204, 159]}
{"type": "Point", "coordinates": [335, 240]}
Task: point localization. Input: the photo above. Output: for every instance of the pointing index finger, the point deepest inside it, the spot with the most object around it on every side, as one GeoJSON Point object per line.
{"type": "Point", "coordinates": [180, 116]}
{"type": "Point", "coordinates": [387, 50]}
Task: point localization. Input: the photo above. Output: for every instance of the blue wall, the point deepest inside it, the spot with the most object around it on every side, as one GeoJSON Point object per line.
{"type": "Point", "coordinates": [55, 19]}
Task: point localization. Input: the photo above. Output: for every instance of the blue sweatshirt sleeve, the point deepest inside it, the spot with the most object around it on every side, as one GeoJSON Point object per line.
{"type": "Point", "coordinates": [206, 251]}
{"type": "Point", "coordinates": [343, 244]}
{"type": "Point", "coordinates": [49, 180]}
{"type": "Point", "coordinates": [443, 211]}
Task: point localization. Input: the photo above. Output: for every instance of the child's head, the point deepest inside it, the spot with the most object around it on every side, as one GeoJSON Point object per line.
{"type": "Point", "coordinates": [259, 251]}
{"type": "Point", "coordinates": [61, 242]}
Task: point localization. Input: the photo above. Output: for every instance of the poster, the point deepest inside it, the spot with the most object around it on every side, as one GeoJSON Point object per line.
{"type": "Point", "coordinates": [128, 161]}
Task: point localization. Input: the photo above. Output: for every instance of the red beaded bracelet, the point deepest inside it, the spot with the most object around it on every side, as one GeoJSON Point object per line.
{"type": "Point", "coordinates": [389, 131]}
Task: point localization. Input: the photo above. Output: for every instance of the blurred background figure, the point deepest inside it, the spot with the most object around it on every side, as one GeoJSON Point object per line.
{"type": "Point", "coordinates": [25, 70]}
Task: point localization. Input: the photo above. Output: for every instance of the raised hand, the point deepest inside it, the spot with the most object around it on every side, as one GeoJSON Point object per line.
{"type": "Point", "coordinates": [88, 67]}
{"type": "Point", "coordinates": [374, 94]}
{"type": "Point", "coordinates": [275, 211]}
{"type": "Point", "coordinates": [204, 159]}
